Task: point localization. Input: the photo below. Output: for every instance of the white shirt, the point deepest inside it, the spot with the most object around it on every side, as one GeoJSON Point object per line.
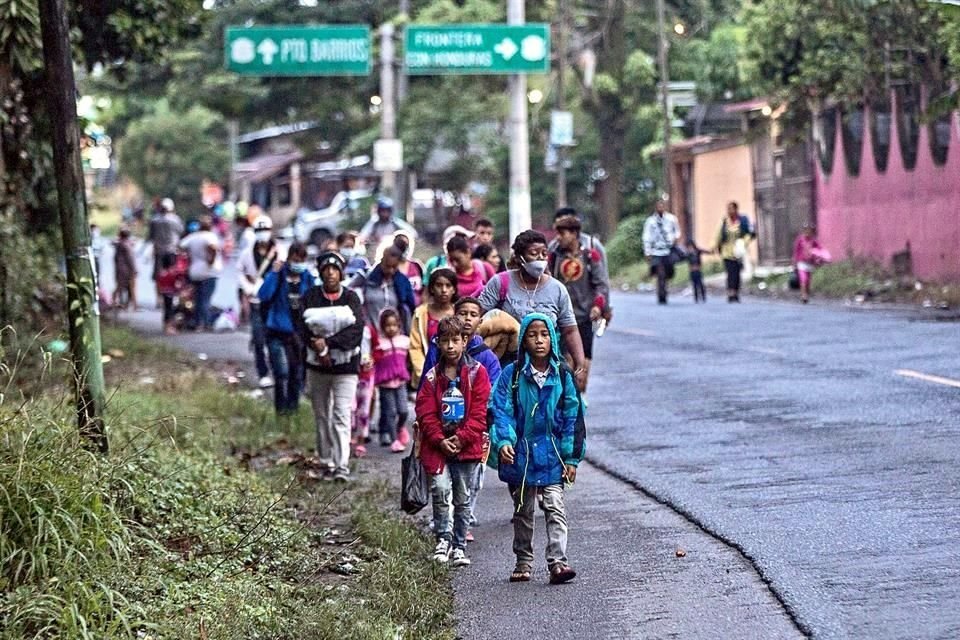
{"type": "Point", "coordinates": [660, 234]}
{"type": "Point", "coordinates": [196, 245]}
{"type": "Point", "coordinates": [247, 266]}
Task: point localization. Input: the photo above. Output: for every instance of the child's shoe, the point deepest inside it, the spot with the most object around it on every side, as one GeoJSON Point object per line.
{"type": "Point", "coordinates": [403, 436]}
{"type": "Point", "coordinates": [397, 446]}
{"type": "Point", "coordinates": [442, 551]}
{"type": "Point", "coordinates": [459, 558]}
{"type": "Point", "coordinates": [385, 440]}
{"type": "Point", "coordinates": [359, 451]}
{"type": "Point", "coordinates": [469, 536]}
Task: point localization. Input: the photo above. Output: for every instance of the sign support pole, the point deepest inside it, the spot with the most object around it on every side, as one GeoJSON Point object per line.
{"type": "Point", "coordinates": [562, 103]}
{"type": "Point", "coordinates": [520, 218]}
{"type": "Point", "coordinates": [388, 96]}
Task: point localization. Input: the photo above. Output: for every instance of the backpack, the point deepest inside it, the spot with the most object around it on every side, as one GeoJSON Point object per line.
{"type": "Point", "coordinates": [504, 277]}
{"type": "Point", "coordinates": [580, 427]}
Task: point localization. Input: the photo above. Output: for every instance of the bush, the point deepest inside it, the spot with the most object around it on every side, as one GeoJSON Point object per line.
{"type": "Point", "coordinates": [626, 247]}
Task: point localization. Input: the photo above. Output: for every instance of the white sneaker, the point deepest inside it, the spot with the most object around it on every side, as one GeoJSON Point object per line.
{"type": "Point", "coordinates": [442, 551]}
{"type": "Point", "coordinates": [265, 382]}
{"type": "Point", "coordinates": [459, 558]}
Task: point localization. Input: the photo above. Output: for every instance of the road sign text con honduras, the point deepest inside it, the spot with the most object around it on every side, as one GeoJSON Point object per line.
{"type": "Point", "coordinates": [477, 49]}
{"type": "Point", "coordinates": [317, 50]}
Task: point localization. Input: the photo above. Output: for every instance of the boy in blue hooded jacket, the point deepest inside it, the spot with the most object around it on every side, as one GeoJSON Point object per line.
{"type": "Point", "coordinates": [539, 432]}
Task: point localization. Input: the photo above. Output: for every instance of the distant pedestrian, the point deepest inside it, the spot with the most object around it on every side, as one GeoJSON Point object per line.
{"type": "Point", "coordinates": [384, 286]}
{"type": "Point", "coordinates": [539, 434]}
{"type": "Point", "coordinates": [661, 233]}
{"type": "Point", "coordinates": [391, 376]}
{"type": "Point", "coordinates": [333, 362]}
{"type": "Point", "coordinates": [363, 402]}
{"type": "Point", "coordinates": [125, 271]}
{"type": "Point", "coordinates": [383, 223]}
{"type": "Point", "coordinates": [451, 412]}
{"type": "Point", "coordinates": [441, 259]}
{"type": "Point", "coordinates": [732, 245]}
{"type": "Point", "coordinates": [807, 256]}
{"type": "Point", "coordinates": [441, 294]}
{"type": "Point", "coordinates": [695, 260]}
{"type": "Point", "coordinates": [347, 247]}
{"type": "Point", "coordinates": [253, 265]}
{"type": "Point", "coordinates": [164, 234]}
{"type": "Point", "coordinates": [409, 266]}
{"type": "Point", "coordinates": [484, 232]}
{"type": "Point", "coordinates": [281, 299]}
{"type": "Point", "coordinates": [206, 263]}
{"type": "Point", "coordinates": [579, 261]}
{"type": "Point", "coordinates": [472, 275]}
{"type": "Point", "coordinates": [488, 253]}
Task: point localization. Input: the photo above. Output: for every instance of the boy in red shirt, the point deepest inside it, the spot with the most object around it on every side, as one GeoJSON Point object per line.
{"type": "Point", "coordinates": [451, 411]}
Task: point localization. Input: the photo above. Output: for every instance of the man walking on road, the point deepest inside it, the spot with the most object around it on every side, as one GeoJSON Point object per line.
{"type": "Point", "coordinates": [661, 232]}
{"type": "Point", "coordinates": [164, 233]}
{"type": "Point", "coordinates": [383, 225]}
{"type": "Point", "coordinates": [579, 261]}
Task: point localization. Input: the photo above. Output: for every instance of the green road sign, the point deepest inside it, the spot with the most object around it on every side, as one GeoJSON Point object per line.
{"type": "Point", "coordinates": [477, 48]}
{"type": "Point", "coordinates": [320, 50]}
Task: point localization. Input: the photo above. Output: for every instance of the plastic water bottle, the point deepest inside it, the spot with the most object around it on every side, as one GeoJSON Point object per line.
{"type": "Point", "coordinates": [453, 408]}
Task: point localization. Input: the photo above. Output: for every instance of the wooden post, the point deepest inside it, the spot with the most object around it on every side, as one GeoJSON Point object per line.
{"type": "Point", "coordinates": [82, 304]}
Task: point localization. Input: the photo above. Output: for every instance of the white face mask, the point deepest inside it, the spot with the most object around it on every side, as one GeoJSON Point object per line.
{"type": "Point", "coordinates": [348, 252]}
{"type": "Point", "coordinates": [535, 268]}
{"type": "Point", "coordinates": [263, 236]}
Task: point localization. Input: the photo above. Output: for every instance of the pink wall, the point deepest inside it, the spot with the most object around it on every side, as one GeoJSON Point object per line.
{"type": "Point", "coordinates": [875, 214]}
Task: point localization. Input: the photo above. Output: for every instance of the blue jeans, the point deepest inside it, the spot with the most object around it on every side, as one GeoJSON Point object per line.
{"type": "Point", "coordinates": [202, 294]}
{"type": "Point", "coordinates": [286, 360]}
{"type": "Point", "coordinates": [258, 340]}
{"type": "Point", "coordinates": [453, 485]}
{"type": "Point", "coordinates": [393, 411]}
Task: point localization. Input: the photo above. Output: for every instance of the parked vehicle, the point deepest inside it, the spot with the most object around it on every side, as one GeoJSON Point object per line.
{"type": "Point", "coordinates": [319, 226]}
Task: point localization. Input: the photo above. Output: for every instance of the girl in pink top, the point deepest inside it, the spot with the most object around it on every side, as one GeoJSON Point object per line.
{"type": "Point", "coordinates": [807, 255]}
{"type": "Point", "coordinates": [472, 275]}
{"type": "Point", "coordinates": [391, 375]}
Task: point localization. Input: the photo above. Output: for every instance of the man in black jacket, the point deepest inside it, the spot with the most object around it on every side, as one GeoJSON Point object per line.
{"type": "Point", "coordinates": [333, 361]}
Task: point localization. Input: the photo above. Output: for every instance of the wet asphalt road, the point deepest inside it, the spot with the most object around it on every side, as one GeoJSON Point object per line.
{"type": "Point", "coordinates": [787, 431]}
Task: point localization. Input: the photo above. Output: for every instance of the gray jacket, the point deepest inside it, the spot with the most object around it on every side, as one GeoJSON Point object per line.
{"type": "Point", "coordinates": [584, 273]}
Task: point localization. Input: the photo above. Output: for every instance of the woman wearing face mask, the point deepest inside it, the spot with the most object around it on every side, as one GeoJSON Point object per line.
{"type": "Point", "coordinates": [281, 297]}
{"type": "Point", "coordinates": [253, 263]}
{"type": "Point", "coordinates": [530, 289]}
{"type": "Point", "coordinates": [355, 260]}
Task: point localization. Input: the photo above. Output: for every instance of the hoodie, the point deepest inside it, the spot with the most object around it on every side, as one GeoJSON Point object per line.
{"type": "Point", "coordinates": [543, 425]}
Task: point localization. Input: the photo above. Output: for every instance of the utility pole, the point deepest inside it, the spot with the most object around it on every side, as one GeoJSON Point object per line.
{"type": "Point", "coordinates": [520, 219]}
{"type": "Point", "coordinates": [403, 186]}
{"type": "Point", "coordinates": [664, 93]}
{"type": "Point", "coordinates": [388, 96]}
{"type": "Point", "coordinates": [562, 102]}
{"type": "Point", "coordinates": [82, 305]}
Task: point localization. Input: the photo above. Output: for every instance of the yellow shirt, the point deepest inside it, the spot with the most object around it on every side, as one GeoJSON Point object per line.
{"type": "Point", "coordinates": [728, 248]}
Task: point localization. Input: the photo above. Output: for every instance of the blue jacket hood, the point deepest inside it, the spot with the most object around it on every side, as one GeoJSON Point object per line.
{"type": "Point", "coordinates": [523, 358]}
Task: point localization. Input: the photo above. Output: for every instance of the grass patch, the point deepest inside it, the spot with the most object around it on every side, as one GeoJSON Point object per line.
{"type": "Point", "coordinates": [171, 537]}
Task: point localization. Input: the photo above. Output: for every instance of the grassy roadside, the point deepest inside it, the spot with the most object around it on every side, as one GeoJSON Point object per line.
{"type": "Point", "coordinates": [173, 536]}
{"type": "Point", "coordinates": [637, 275]}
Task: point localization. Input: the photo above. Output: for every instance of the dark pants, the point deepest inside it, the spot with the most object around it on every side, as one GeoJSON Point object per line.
{"type": "Point", "coordinates": [286, 360]}
{"type": "Point", "coordinates": [393, 412]}
{"type": "Point", "coordinates": [586, 337]}
{"type": "Point", "coordinates": [661, 267]}
{"type": "Point", "coordinates": [258, 340]}
{"type": "Point", "coordinates": [699, 291]}
{"type": "Point", "coordinates": [168, 309]}
{"type": "Point", "coordinates": [733, 268]}
{"type": "Point", "coordinates": [202, 295]}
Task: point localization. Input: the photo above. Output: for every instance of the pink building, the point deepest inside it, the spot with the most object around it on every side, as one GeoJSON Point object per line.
{"type": "Point", "coordinates": [888, 184]}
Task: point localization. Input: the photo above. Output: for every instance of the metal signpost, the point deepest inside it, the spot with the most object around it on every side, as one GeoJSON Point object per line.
{"type": "Point", "coordinates": [319, 50]}
{"type": "Point", "coordinates": [477, 49]}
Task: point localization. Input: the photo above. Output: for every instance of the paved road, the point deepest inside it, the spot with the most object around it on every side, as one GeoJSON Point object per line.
{"type": "Point", "coordinates": [788, 431]}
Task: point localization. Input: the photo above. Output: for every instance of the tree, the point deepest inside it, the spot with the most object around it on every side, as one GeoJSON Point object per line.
{"type": "Point", "coordinates": [169, 153]}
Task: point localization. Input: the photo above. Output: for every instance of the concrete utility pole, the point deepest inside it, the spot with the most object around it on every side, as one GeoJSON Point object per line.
{"type": "Point", "coordinates": [403, 85]}
{"type": "Point", "coordinates": [562, 102]}
{"type": "Point", "coordinates": [520, 219]}
{"type": "Point", "coordinates": [388, 97]}
{"type": "Point", "coordinates": [664, 93]}
{"type": "Point", "coordinates": [82, 306]}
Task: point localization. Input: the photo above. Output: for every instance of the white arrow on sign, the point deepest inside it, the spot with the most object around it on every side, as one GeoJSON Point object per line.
{"type": "Point", "coordinates": [507, 48]}
{"type": "Point", "coordinates": [267, 50]}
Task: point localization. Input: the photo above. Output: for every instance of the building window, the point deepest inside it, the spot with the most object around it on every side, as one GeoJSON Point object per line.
{"type": "Point", "coordinates": [908, 124]}
{"type": "Point", "coordinates": [880, 133]}
{"type": "Point", "coordinates": [852, 135]}
{"type": "Point", "coordinates": [825, 136]}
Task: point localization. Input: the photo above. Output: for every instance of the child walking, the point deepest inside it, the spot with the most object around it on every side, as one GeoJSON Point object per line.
{"type": "Point", "coordinates": [539, 433]}
{"type": "Point", "coordinates": [125, 271]}
{"type": "Point", "coordinates": [391, 377]}
{"type": "Point", "coordinates": [363, 402]}
{"type": "Point", "coordinates": [442, 293]}
{"type": "Point", "coordinates": [695, 259]}
{"type": "Point", "coordinates": [451, 411]}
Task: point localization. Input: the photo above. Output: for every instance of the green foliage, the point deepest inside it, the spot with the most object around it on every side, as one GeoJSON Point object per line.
{"type": "Point", "coordinates": [626, 247]}
{"type": "Point", "coordinates": [165, 538]}
{"type": "Point", "coordinates": [170, 153]}
{"type": "Point", "coordinates": [720, 67]}
{"type": "Point", "coordinates": [19, 34]}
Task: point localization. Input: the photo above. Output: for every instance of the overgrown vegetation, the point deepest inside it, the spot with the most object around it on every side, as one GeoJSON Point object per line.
{"type": "Point", "coordinates": [169, 537]}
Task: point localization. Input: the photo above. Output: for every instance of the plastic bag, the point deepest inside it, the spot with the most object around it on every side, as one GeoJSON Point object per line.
{"type": "Point", "coordinates": [414, 485]}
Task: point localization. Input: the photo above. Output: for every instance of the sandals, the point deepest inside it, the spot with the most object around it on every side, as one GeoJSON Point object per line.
{"type": "Point", "coordinates": [521, 573]}
{"type": "Point", "coordinates": [560, 573]}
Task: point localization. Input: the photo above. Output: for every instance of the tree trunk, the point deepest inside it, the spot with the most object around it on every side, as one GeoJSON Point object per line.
{"type": "Point", "coordinates": [611, 196]}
